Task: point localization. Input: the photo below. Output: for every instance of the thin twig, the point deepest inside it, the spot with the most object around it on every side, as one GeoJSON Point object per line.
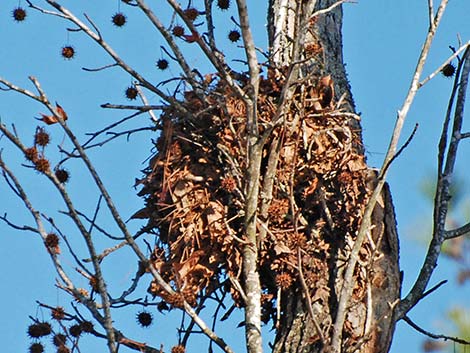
{"type": "Point", "coordinates": [330, 8]}
{"type": "Point", "coordinates": [402, 148]}
{"type": "Point", "coordinates": [144, 99]}
{"type": "Point", "coordinates": [433, 335]}
{"type": "Point", "coordinates": [99, 68]}
{"type": "Point", "coordinates": [457, 232]}
{"type": "Point", "coordinates": [308, 298]}
{"type": "Point", "coordinates": [143, 108]}
{"type": "Point", "coordinates": [465, 135]}
{"type": "Point", "coordinates": [18, 227]}
{"type": "Point", "coordinates": [434, 288]}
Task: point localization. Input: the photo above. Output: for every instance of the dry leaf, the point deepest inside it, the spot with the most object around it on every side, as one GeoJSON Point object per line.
{"type": "Point", "coordinates": [52, 119]}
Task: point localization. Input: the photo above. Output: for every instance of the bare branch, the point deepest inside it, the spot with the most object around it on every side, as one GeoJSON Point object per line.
{"type": "Point", "coordinates": [250, 51]}
{"type": "Point", "coordinates": [458, 232]}
{"type": "Point", "coordinates": [432, 335]}
{"type": "Point", "coordinates": [44, 11]}
{"type": "Point", "coordinates": [96, 226]}
{"type": "Point", "coordinates": [17, 227]}
{"type": "Point", "coordinates": [99, 68]}
{"type": "Point", "coordinates": [144, 99]}
{"type": "Point", "coordinates": [93, 25]}
{"type": "Point", "coordinates": [402, 148]}
{"type": "Point", "coordinates": [210, 24]}
{"type": "Point", "coordinates": [434, 288]}
{"type": "Point", "coordinates": [465, 135]}
{"type": "Point", "coordinates": [439, 69]}
{"type": "Point", "coordinates": [20, 90]}
{"type": "Point", "coordinates": [331, 7]}
{"type": "Point", "coordinates": [142, 108]}
{"type": "Point", "coordinates": [430, 12]}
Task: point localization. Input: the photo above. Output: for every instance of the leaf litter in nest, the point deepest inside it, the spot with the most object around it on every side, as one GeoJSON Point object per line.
{"type": "Point", "coordinates": [192, 190]}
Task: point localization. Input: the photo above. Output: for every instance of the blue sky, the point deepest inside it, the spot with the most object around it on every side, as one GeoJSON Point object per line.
{"type": "Point", "coordinates": [382, 40]}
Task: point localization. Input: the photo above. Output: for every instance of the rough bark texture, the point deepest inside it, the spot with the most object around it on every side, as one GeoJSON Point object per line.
{"type": "Point", "coordinates": [369, 323]}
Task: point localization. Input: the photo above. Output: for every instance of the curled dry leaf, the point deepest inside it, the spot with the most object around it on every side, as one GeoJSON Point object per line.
{"type": "Point", "coordinates": [52, 119]}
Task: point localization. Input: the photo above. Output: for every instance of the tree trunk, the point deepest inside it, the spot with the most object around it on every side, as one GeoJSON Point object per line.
{"type": "Point", "coordinates": [316, 44]}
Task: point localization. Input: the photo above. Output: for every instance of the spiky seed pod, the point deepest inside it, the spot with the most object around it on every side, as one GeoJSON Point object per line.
{"type": "Point", "coordinates": [119, 19]}
{"type": "Point", "coordinates": [178, 31]}
{"type": "Point", "coordinates": [162, 64]}
{"type": "Point", "coordinates": [131, 92]}
{"type": "Point", "coordinates": [228, 183]}
{"type": "Point", "coordinates": [191, 13]}
{"type": "Point", "coordinates": [52, 240]}
{"type": "Point", "coordinates": [178, 349]}
{"type": "Point", "coordinates": [68, 52]}
{"type": "Point", "coordinates": [31, 154]}
{"type": "Point", "coordinates": [41, 137]}
{"type": "Point", "coordinates": [298, 240]}
{"type": "Point", "coordinates": [223, 4]}
{"type": "Point", "coordinates": [36, 348]}
{"type": "Point", "coordinates": [448, 70]}
{"type": "Point", "coordinates": [58, 313]}
{"type": "Point", "coordinates": [39, 329]}
{"type": "Point", "coordinates": [19, 14]}
{"type": "Point", "coordinates": [41, 164]}
{"type": "Point", "coordinates": [144, 318]}
{"type": "Point", "coordinates": [62, 175]}
{"type": "Point", "coordinates": [234, 35]}
{"type": "Point", "coordinates": [86, 326]}
{"type": "Point", "coordinates": [34, 331]}
{"type": "Point", "coordinates": [75, 330]}
{"type": "Point", "coordinates": [59, 340]}
{"type": "Point", "coordinates": [284, 280]}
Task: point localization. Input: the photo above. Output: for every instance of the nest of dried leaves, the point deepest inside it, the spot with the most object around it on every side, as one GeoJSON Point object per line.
{"type": "Point", "coordinates": [194, 190]}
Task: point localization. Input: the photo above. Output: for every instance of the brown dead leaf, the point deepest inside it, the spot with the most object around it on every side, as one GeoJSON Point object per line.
{"type": "Point", "coordinates": [281, 248]}
{"type": "Point", "coordinates": [52, 119]}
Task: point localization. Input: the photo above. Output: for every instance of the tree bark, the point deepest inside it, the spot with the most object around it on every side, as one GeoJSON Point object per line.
{"type": "Point", "coordinates": [315, 43]}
